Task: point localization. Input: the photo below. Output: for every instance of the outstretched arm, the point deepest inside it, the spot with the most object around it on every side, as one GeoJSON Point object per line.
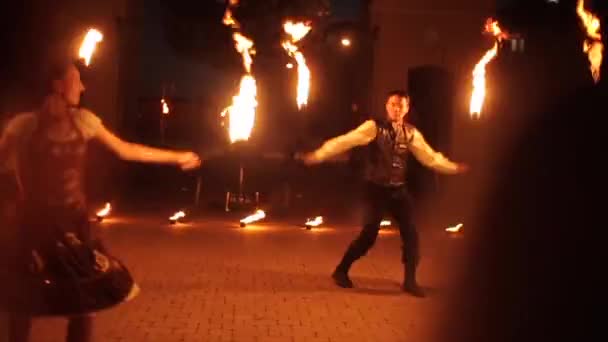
{"type": "Point", "coordinates": [359, 136]}
{"type": "Point", "coordinates": [432, 159]}
{"type": "Point", "coordinates": [140, 153]}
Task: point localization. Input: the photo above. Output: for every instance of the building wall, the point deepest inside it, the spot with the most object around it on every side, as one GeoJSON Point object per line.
{"type": "Point", "coordinates": [437, 32]}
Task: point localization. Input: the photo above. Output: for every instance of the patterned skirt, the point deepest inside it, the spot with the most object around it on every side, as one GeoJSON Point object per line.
{"type": "Point", "coordinates": [66, 275]}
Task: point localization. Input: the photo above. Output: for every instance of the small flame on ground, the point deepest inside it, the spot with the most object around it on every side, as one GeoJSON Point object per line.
{"type": "Point", "coordinates": [385, 223]}
{"type": "Point", "coordinates": [317, 221]}
{"type": "Point", "coordinates": [178, 215]}
{"type": "Point", "coordinates": [345, 42]}
{"type": "Point", "coordinates": [105, 211]}
{"type": "Point", "coordinates": [88, 45]}
{"type": "Point", "coordinates": [296, 32]}
{"type": "Point", "coordinates": [165, 106]}
{"type": "Point", "coordinates": [455, 229]}
{"type": "Point", "coordinates": [592, 45]}
{"type": "Point", "coordinates": [259, 214]}
{"type": "Point", "coordinates": [479, 72]}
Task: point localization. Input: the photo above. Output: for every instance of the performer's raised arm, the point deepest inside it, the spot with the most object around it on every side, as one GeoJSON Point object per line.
{"type": "Point", "coordinates": [359, 136]}
{"type": "Point", "coordinates": [431, 158]}
{"type": "Point", "coordinates": [141, 153]}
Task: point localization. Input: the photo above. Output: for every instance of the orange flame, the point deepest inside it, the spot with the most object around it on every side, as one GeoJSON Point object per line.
{"type": "Point", "coordinates": [592, 46]}
{"type": "Point", "coordinates": [317, 221]}
{"type": "Point", "coordinates": [88, 45]}
{"type": "Point", "coordinates": [297, 31]}
{"type": "Point", "coordinates": [479, 72]}
{"type": "Point", "coordinates": [455, 229]}
{"type": "Point", "coordinates": [178, 215]}
{"type": "Point", "coordinates": [228, 20]}
{"type": "Point", "coordinates": [105, 211]}
{"type": "Point", "coordinates": [259, 214]}
{"type": "Point", "coordinates": [385, 223]}
{"type": "Point", "coordinates": [165, 106]}
{"type": "Point", "coordinates": [241, 114]}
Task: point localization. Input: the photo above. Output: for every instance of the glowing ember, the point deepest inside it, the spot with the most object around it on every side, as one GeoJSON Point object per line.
{"type": "Point", "coordinates": [385, 223]}
{"type": "Point", "coordinates": [297, 31]}
{"type": "Point", "coordinates": [104, 212]}
{"type": "Point", "coordinates": [289, 65]}
{"type": "Point", "coordinates": [345, 42]}
{"type": "Point", "coordinates": [177, 216]}
{"type": "Point", "coordinates": [479, 72]}
{"type": "Point", "coordinates": [165, 106]}
{"type": "Point", "coordinates": [259, 214]}
{"type": "Point", "coordinates": [456, 229]}
{"type": "Point", "coordinates": [317, 221]}
{"type": "Point", "coordinates": [592, 46]}
{"type": "Point", "coordinates": [88, 45]}
{"type": "Point", "coordinates": [241, 114]}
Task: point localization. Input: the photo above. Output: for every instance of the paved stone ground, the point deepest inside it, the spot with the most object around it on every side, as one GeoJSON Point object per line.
{"type": "Point", "coordinates": [209, 280]}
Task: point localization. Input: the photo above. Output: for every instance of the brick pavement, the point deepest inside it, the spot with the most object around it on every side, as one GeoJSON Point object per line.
{"type": "Point", "coordinates": [210, 280]}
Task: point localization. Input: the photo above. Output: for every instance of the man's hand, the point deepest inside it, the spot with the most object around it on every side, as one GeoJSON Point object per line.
{"type": "Point", "coordinates": [188, 161]}
{"type": "Point", "coordinates": [307, 158]}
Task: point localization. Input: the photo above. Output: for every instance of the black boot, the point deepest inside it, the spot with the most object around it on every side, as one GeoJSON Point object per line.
{"type": "Point", "coordinates": [341, 278]}
{"type": "Point", "coordinates": [410, 285]}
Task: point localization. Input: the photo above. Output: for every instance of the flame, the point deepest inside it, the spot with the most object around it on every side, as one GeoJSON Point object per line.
{"type": "Point", "coordinates": [105, 211]}
{"type": "Point", "coordinates": [88, 45]}
{"type": "Point", "coordinates": [297, 31]}
{"type": "Point", "coordinates": [178, 215]}
{"type": "Point", "coordinates": [228, 20]}
{"type": "Point", "coordinates": [317, 221]}
{"type": "Point", "coordinates": [345, 42]}
{"type": "Point", "coordinates": [592, 46]}
{"type": "Point", "coordinates": [165, 106]}
{"type": "Point", "coordinates": [245, 47]}
{"type": "Point", "coordinates": [454, 229]}
{"type": "Point", "coordinates": [385, 223]}
{"type": "Point", "coordinates": [241, 114]}
{"type": "Point", "coordinates": [259, 214]}
{"type": "Point", "coordinates": [479, 72]}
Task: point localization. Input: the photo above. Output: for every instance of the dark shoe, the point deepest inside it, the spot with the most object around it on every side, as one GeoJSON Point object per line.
{"type": "Point", "coordinates": [413, 289]}
{"type": "Point", "coordinates": [341, 279]}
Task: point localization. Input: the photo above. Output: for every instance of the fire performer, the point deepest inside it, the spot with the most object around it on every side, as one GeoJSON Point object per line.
{"type": "Point", "coordinates": [389, 139]}
{"type": "Point", "coordinates": [62, 268]}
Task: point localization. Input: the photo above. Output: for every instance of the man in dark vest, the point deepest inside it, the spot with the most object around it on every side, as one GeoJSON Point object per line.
{"type": "Point", "coordinates": [390, 140]}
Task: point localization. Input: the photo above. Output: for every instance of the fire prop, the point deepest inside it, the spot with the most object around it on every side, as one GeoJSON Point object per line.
{"type": "Point", "coordinates": [455, 229]}
{"type": "Point", "coordinates": [88, 45]}
{"type": "Point", "coordinates": [592, 45]}
{"type": "Point", "coordinates": [479, 72]}
{"type": "Point", "coordinates": [241, 114]}
{"type": "Point", "coordinates": [296, 32]}
{"type": "Point", "coordinates": [103, 213]}
{"type": "Point", "coordinates": [176, 217]}
{"type": "Point", "coordinates": [259, 215]}
{"type": "Point", "coordinates": [317, 221]}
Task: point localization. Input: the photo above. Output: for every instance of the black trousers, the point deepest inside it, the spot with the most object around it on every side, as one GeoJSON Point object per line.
{"type": "Point", "coordinates": [396, 202]}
